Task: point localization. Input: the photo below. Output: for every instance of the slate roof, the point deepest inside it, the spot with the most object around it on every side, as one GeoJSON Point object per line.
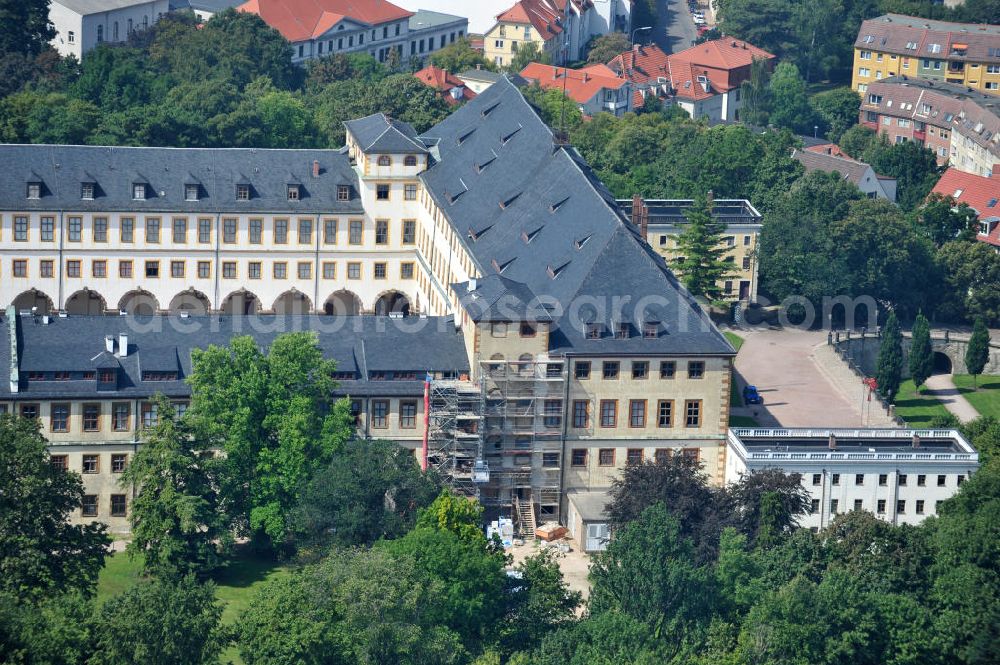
{"type": "Point", "coordinates": [361, 345]}
{"type": "Point", "coordinates": [496, 298]}
{"type": "Point", "coordinates": [213, 6]}
{"type": "Point", "coordinates": [87, 7]}
{"type": "Point", "coordinates": [62, 169]}
{"type": "Point", "coordinates": [533, 211]}
{"type": "Point", "coordinates": [850, 169]}
{"type": "Point", "coordinates": [481, 75]}
{"type": "Point", "coordinates": [382, 134]}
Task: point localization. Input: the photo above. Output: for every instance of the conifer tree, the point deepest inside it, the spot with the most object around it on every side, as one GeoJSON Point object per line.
{"type": "Point", "coordinates": [921, 356]}
{"type": "Point", "coordinates": [702, 265]}
{"type": "Point", "coordinates": [977, 354]}
{"type": "Point", "coordinates": [889, 368]}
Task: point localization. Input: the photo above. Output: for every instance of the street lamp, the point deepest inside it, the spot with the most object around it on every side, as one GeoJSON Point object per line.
{"type": "Point", "coordinates": [648, 27]}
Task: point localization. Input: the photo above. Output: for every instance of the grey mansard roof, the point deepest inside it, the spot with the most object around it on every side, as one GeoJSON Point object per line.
{"type": "Point", "coordinates": [534, 212]}
{"type": "Point", "coordinates": [163, 344]}
{"type": "Point", "coordinates": [382, 134]}
{"type": "Point", "coordinates": [63, 169]}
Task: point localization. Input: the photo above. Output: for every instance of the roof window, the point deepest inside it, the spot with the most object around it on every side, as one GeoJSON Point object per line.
{"type": "Point", "coordinates": [191, 192]}
{"type": "Point", "coordinates": [87, 191]}
{"type": "Point", "coordinates": [138, 191]}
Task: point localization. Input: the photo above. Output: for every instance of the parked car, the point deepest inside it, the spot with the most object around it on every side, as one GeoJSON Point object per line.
{"type": "Point", "coordinates": [698, 20]}
{"type": "Point", "coordinates": [751, 396]}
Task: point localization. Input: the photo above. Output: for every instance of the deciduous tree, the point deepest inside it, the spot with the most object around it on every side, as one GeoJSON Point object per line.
{"type": "Point", "coordinates": [604, 48]}
{"type": "Point", "coordinates": [459, 56]}
{"type": "Point", "coordinates": [160, 623]}
{"type": "Point", "coordinates": [40, 551]}
{"type": "Point", "coordinates": [369, 490]}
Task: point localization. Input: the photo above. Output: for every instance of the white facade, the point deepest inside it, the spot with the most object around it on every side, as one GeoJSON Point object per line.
{"type": "Point", "coordinates": [899, 475]}
{"type": "Point", "coordinates": [419, 36]}
{"type": "Point", "coordinates": [83, 24]}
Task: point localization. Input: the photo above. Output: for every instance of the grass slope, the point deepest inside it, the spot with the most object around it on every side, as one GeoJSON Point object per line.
{"type": "Point", "coordinates": [235, 585]}
{"type": "Point", "coordinates": [918, 410]}
{"type": "Point", "coordinates": [986, 400]}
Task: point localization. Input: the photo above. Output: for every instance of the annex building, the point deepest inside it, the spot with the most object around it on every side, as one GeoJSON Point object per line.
{"type": "Point", "coordinates": [899, 475]}
{"type": "Point", "coordinates": [479, 268]}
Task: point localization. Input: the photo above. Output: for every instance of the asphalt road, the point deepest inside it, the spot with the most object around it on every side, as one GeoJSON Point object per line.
{"type": "Point", "coordinates": [674, 30]}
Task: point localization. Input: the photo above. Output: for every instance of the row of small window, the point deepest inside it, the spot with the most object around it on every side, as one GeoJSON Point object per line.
{"type": "Point", "coordinates": [728, 241]}
{"type": "Point", "coordinates": [883, 479]}
{"type": "Point", "coordinates": [879, 506]}
{"type": "Point", "coordinates": [230, 270]}
{"type": "Point", "coordinates": [633, 456]}
{"type": "Point", "coordinates": [230, 230]}
{"type": "Point", "coordinates": [71, 36]}
{"type": "Point", "coordinates": [650, 330]}
{"type": "Point", "coordinates": [611, 369]}
{"type": "Point", "coordinates": [89, 506]}
{"type": "Point", "coordinates": [121, 415]}
{"type": "Point", "coordinates": [350, 40]}
{"type": "Point", "coordinates": [416, 46]}
{"type": "Point", "coordinates": [665, 416]}
{"type": "Point", "coordinates": [91, 463]}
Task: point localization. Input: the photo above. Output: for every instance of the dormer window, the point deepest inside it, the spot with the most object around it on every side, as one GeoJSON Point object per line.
{"type": "Point", "coordinates": [242, 192]}
{"type": "Point", "coordinates": [650, 330]}
{"type": "Point", "coordinates": [87, 191]}
{"type": "Point", "coordinates": [384, 160]}
{"type": "Point", "coordinates": [593, 330]}
{"type": "Point", "coordinates": [410, 160]}
{"type": "Point", "coordinates": [34, 190]}
{"type": "Point", "coordinates": [343, 193]}
{"type": "Point", "coordinates": [138, 191]}
{"type": "Point", "coordinates": [293, 192]}
{"type": "Point", "coordinates": [190, 192]}
{"type": "Point", "coordinates": [621, 331]}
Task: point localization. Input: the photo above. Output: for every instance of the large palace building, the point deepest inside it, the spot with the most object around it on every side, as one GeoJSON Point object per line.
{"type": "Point", "coordinates": [480, 269]}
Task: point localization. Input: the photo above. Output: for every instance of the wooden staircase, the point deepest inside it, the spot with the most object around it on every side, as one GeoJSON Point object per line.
{"type": "Point", "coordinates": [525, 512]}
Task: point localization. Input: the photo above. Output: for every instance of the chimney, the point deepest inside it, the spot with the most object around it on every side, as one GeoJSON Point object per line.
{"type": "Point", "coordinates": [916, 440]}
{"type": "Point", "coordinates": [832, 443]}
{"type": "Point", "coordinates": [473, 284]}
{"type": "Point", "coordinates": [122, 345]}
{"type": "Point", "coordinates": [109, 343]}
{"type": "Point", "coordinates": [586, 77]}
{"type": "Point", "coordinates": [829, 151]}
{"type": "Point", "coordinates": [315, 168]}
{"type": "Point", "coordinates": [635, 48]}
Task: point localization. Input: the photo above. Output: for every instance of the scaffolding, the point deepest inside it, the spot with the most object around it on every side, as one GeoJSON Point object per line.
{"type": "Point", "coordinates": [455, 441]}
{"type": "Point", "coordinates": [523, 438]}
{"type": "Point", "coordinates": [500, 438]}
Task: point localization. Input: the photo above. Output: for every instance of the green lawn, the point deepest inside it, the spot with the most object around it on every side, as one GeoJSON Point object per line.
{"type": "Point", "coordinates": [734, 339]}
{"type": "Point", "coordinates": [917, 410]}
{"type": "Point", "coordinates": [742, 421]}
{"type": "Point", "coordinates": [235, 584]}
{"type": "Point", "coordinates": [986, 400]}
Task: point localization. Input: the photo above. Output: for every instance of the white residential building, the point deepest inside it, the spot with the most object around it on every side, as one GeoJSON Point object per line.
{"type": "Point", "coordinates": [900, 475]}
{"type": "Point", "coordinates": [83, 24]}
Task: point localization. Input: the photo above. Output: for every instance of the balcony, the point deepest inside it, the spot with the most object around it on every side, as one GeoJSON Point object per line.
{"type": "Point", "coordinates": [920, 135]}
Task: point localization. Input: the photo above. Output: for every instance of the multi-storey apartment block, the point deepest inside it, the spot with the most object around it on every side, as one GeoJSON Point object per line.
{"type": "Point", "coordinates": [558, 346]}
{"type": "Point", "coordinates": [899, 475]}
{"type": "Point", "coordinates": [962, 127]}
{"type": "Point", "coordinates": [662, 220]}
{"type": "Point", "coordinates": [560, 28]}
{"type": "Point", "coordinates": [965, 54]}
{"type": "Point", "coordinates": [320, 28]}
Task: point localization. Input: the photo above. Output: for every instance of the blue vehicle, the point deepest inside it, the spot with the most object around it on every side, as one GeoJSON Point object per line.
{"type": "Point", "coordinates": [751, 396]}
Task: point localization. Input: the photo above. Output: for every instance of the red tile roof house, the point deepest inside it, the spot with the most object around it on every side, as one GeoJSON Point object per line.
{"type": "Point", "coordinates": [595, 88]}
{"type": "Point", "coordinates": [317, 28]}
{"type": "Point", "coordinates": [704, 80]}
{"type": "Point", "coordinates": [453, 89]}
{"type": "Point", "coordinates": [980, 193]}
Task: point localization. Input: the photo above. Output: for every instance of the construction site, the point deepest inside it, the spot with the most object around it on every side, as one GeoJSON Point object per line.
{"type": "Point", "coordinates": [499, 438]}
